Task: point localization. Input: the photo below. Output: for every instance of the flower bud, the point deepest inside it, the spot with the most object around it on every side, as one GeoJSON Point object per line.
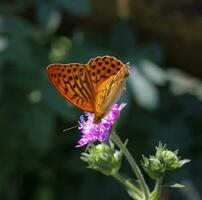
{"type": "Point", "coordinates": [163, 161]}
{"type": "Point", "coordinates": [103, 158]}
{"type": "Point", "coordinates": [153, 167]}
{"type": "Point", "coordinates": [170, 159]}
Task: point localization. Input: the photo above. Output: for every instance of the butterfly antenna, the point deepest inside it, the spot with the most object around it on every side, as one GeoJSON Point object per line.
{"type": "Point", "coordinates": [68, 129]}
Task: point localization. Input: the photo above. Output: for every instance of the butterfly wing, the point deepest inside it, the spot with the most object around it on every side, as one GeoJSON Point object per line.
{"type": "Point", "coordinates": [102, 68]}
{"type": "Point", "coordinates": [74, 84]}
{"type": "Point", "coordinates": [108, 92]}
{"type": "Point", "coordinates": [92, 87]}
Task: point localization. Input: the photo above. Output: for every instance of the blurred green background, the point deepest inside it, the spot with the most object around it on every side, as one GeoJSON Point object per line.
{"type": "Point", "coordinates": [162, 40]}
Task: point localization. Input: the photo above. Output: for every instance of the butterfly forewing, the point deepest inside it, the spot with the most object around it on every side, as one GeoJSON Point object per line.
{"type": "Point", "coordinates": [72, 81]}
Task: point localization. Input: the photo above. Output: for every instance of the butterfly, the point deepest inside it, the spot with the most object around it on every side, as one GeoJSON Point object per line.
{"type": "Point", "coordinates": [91, 87]}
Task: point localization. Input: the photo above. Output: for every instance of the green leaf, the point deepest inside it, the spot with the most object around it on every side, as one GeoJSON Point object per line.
{"type": "Point", "coordinates": [153, 72]}
{"type": "Point", "coordinates": [174, 185]}
{"type": "Point", "coordinates": [145, 93]}
{"type": "Point", "coordinates": [177, 185]}
{"type": "Point", "coordinates": [184, 161]}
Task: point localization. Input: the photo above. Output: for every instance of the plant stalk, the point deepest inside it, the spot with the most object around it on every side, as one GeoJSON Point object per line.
{"type": "Point", "coordinates": [115, 138]}
{"type": "Point", "coordinates": [129, 186]}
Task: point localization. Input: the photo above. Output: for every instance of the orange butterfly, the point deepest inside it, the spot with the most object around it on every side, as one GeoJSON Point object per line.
{"type": "Point", "coordinates": [92, 87]}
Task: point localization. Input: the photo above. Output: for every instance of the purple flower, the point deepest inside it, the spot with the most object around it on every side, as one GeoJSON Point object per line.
{"type": "Point", "coordinates": [98, 132]}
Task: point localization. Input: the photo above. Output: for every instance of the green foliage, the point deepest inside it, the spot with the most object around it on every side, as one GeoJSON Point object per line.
{"type": "Point", "coordinates": [37, 162]}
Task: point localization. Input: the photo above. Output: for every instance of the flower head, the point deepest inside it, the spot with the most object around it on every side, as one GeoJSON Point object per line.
{"type": "Point", "coordinates": [104, 158]}
{"type": "Point", "coordinates": [98, 132]}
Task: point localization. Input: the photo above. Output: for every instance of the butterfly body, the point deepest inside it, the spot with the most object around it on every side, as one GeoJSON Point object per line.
{"type": "Point", "coordinates": [92, 87]}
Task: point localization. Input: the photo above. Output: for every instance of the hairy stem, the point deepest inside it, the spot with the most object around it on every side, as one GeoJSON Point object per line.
{"type": "Point", "coordinates": [115, 138]}
{"type": "Point", "coordinates": [157, 190]}
{"type": "Point", "coordinates": [129, 185]}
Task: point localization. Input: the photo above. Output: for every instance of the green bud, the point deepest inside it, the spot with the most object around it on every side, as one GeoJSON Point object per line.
{"type": "Point", "coordinates": [171, 160]}
{"type": "Point", "coordinates": [103, 158]}
{"type": "Point", "coordinates": [163, 161]}
{"type": "Point", "coordinates": [153, 167]}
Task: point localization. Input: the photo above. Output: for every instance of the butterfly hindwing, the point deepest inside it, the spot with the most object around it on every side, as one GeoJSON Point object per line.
{"type": "Point", "coordinates": [102, 68]}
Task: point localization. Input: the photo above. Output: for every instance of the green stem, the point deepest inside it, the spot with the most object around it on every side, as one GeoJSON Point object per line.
{"type": "Point", "coordinates": [132, 162]}
{"type": "Point", "coordinates": [129, 186]}
{"type": "Point", "coordinates": [157, 190]}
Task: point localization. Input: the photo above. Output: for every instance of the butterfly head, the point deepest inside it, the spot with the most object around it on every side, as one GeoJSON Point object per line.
{"type": "Point", "coordinates": [127, 69]}
{"type": "Point", "coordinates": [97, 119]}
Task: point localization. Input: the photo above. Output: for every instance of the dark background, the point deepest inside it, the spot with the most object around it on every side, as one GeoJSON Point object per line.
{"type": "Point", "coordinates": [163, 42]}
